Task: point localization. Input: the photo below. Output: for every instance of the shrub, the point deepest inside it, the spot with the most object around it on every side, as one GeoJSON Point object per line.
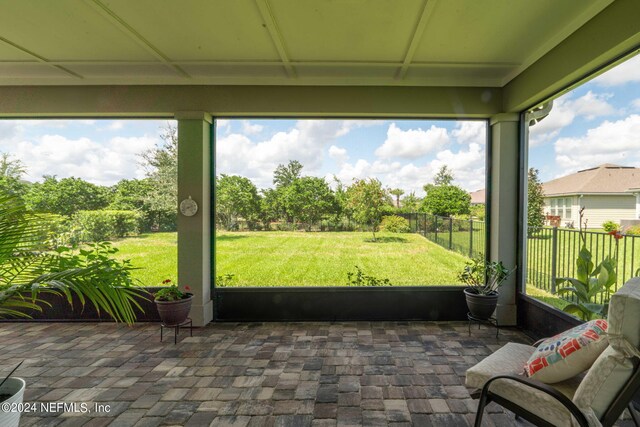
{"type": "Point", "coordinates": [94, 226]}
{"type": "Point", "coordinates": [225, 280]}
{"type": "Point", "coordinates": [633, 231]}
{"type": "Point", "coordinates": [610, 226]}
{"type": "Point", "coordinates": [395, 224]}
{"type": "Point", "coordinates": [359, 278]}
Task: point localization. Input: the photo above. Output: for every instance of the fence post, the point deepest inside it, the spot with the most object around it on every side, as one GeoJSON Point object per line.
{"type": "Point", "coordinates": [450, 232]}
{"type": "Point", "coordinates": [435, 239]}
{"type": "Point", "coordinates": [554, 258]}
{"type": "Point", "coordinates": [470, 238]}
{"type": "Point", "coordinates": [424, 230]}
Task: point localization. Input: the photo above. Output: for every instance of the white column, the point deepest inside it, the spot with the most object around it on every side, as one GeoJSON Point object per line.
{"type": "Point", "coordinates": [194, 232]}
{"type": "Point", "coordinates": [503, 243]}
{"type": "Point", "coordinates": [637, 205]}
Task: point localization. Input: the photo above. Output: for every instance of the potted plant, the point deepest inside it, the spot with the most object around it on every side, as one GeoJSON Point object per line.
{"type": "Point", "coordinates": [172, 303]}
{"type": "Point", "coordinates": [11, 394]}
{"type": "Point", "coordinates": [483, 280]}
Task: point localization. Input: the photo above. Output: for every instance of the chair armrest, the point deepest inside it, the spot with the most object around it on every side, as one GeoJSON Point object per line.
{"type": "Point", "coordinates": [564, 400]}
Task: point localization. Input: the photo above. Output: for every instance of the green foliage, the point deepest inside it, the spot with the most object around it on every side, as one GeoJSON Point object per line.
{"type": "Point", "coordinates": [484, 277]}
{"type": "Point", "coordinates": [359, 278]}
{"type": "Point", "coordinates": [308, 199]}
{"type": "Point", "coordinates": [478, 212]}
{"type": "Point", "coordinates": [161, 164]}
{"type": "Point", "coordinates": [443, 177]}
{"type": "Point", "coordinates": [395, 224]}
{"type": "Point", "coordinates": [225, 280]}
{"type": "Point", "coordinates": [171, 292]}
{"type": "Point", "coordinates": [94, 226]}
{"type": "Point", "coordinates": [410, 203]}
{"type": "Point", "coordinates": [369, 202]}
{"type": "Point", "coordinates": [284, 176]}
{"type": "Point", "coordinates": [610, 226]}
{"type": "Point", "coordinates": [633, 231]}
{"type": "Point", "coordinates": [590, 282]}
{"type": "Point", "coordinates": [65, 196]}
{"type": "Point", "coordinates": [446, 200]}
{"type": "Point", "coordinates": [236, 197]}
{"type": "Point", "coordinates": [27, 270]}
{"type": "Point", "coordinates": [535, 200]}
{"type": "Point", "coordinates": [11, 176]}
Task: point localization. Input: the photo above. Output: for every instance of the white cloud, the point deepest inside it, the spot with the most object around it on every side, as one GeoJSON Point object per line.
{"type": "Point", "coordinates": [338, 154]}
{"type": "Point", "coordinates": [222, 123]}
{"type": "Point", "coordinates": [116, 125]}
{"type": "Point", "coordinates": [610, 142]}
{"type": "Point", "coordinates": [564, 112]}
{"type": "Point", "coordinates": [636, 103]}
{"type": "Point", "coordinates": [413, 143]}
{"type": "Point", "coordinates": [306, 142]}
{"type": "Point", "coordinates": [628, 71]}
{"type": "Point", "coordinates": [470, 132]}
{"type": "Point", "coordinates": [251, 128]}
{"type": "Point", "coordinates": [97, 162]}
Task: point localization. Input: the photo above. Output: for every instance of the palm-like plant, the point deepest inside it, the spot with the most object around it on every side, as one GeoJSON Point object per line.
{"type": "Point", "coordinates": [28, 270]}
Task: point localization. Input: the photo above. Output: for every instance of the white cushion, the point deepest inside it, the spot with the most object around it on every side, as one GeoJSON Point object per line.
{"type": "Point", "coordinates": [510, 359]}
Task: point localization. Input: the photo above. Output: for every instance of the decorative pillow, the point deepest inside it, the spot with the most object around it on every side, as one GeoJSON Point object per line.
{"type": "Point", "coordinates": [567, 354]}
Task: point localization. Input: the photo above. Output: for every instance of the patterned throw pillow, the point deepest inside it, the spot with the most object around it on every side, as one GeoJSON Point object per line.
{"type": "Point", "coordinates": [567, 354]}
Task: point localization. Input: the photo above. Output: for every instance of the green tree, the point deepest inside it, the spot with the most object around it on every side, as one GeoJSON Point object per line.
{"type": "Point", "coordinates": [444, 176]}
{"type": "Point", "coordinates": [11, 175]}
{"type": "Point", "coordinates": [446, 200]}
{"type": "Point", "coordinates": [343, 210]}
{"type": "Point", "coordinates": [66, 196]}
{"type": "Point", "coordinates": [535, 201]}
{"type": "Point", "coordinates": [369, 202]}
{"type": "Point", "coordinates": [130, 194]}
{"type": "Point", "coordinates": [236, 197]}
{"type": "Point", "coordinates": [270, 207]}
{"type": "Point", "coordinates": [161, 164]}
{"type": "Point", "coordinates": [411, 203]}
{"type": "Point", "coordinates": [284, 176]}
{"type": "Point", "coordinates": [309, 199]}
{"type": "Point", "coordinates": [397, 192]}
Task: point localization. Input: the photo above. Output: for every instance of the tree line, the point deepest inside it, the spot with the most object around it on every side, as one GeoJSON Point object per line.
{"type": "Point", "coordinates": [298, 201]}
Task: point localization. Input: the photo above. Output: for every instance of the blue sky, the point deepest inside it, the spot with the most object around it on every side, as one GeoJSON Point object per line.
{"type": "Point", "coordinates": [596, 123]}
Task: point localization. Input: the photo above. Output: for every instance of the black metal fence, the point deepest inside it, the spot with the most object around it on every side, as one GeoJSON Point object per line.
{"type": "Point", "coordinates": [552, 253]}
{"type": "Point", "coordinates": [465, 236]}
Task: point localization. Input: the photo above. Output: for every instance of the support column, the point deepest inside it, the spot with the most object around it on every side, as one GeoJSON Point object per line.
{"type": "Point", "coordinates": [504, 209]}
{"type": "Point", "coordinates": [637, 205]}
{"type": "Point", "coordinates": [194, 243]}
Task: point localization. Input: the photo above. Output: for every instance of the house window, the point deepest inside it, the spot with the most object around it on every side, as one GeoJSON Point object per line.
{"type": "Point", "coordinates": [553, 207]}
{"type": "Point", "coordinates": [567, 208]}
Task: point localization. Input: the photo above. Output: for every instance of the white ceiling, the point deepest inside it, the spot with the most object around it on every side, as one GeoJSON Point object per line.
{"type": "Point", "coordinates": [298, 42]}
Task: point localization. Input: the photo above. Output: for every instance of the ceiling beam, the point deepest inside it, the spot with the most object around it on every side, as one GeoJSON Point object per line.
{"type": "Point", "coordinates": [38, 58]}
{"type": "Point", "coordinates": [276, 36]}
{"type": "Point", "coordinates": [416, 38]}
{"type": "Point", "coordinates": [134, 35]}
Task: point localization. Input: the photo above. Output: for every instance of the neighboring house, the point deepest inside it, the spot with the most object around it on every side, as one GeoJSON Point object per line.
{"type": "Point", "coordinates": [607, 192]}
{"type": "Point", "coordinates": [478, 197]}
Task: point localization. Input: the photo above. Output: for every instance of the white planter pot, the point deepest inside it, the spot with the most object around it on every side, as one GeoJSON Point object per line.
{"type": "Point", "coordinates": [14, 387]}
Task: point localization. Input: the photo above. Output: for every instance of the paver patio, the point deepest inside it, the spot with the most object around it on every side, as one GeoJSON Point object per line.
{"type": "Point", "coordinates": [269, 374]}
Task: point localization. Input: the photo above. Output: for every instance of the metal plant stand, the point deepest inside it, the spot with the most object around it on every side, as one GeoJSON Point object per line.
{"type": "Point", "coordinates": [176, 329]}
{"type": "Point", "coordinates": [492, 321]}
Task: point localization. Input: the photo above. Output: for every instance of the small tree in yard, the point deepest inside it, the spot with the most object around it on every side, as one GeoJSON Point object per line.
{"type": "Point", "coordinates": [535, 202]}
{"type": "Point", "coordinates": [410, 203]}
{"type": "Point", "coordinates": [443, 177]}
{"type": "Point", "coordinates": [369, 202]}
{"type": "Point", "coordinates": [309, 199]}
{"type": "Point", "coordinates": [446, 200]}
{"type": "Point", "coordinates": [236, 196]}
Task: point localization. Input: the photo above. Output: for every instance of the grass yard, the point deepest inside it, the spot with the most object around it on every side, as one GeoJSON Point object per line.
{"type": "Point", "coordinates": [324, 259]}
{"type": "Point", "coordinates": [154, 254]}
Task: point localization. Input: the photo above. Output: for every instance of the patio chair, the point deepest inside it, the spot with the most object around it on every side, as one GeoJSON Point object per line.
{"type": "Point", "coordinates": [595, 398]}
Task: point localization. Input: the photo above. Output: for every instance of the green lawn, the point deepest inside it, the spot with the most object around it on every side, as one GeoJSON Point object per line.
{"type": "Point", "coordinates": [323, 259]}
{"type": "Point", "coordinates": [301, 259]}
{"type": "Point", "coordinates": [154, 254]}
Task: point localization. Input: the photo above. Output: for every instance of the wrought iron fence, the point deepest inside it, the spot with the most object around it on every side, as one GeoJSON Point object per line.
{"type": "Point", "coordinates": [552, 254]}
{"type": "Point", "coordinates": [465, 236]}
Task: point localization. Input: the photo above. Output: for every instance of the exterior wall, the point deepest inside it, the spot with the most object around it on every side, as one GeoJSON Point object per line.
{"type": "Point", "coordinates": [599, 209]}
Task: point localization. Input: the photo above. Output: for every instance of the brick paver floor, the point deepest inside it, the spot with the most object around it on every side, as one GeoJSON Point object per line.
{"type": "Point", "coordinates": [270, 374]}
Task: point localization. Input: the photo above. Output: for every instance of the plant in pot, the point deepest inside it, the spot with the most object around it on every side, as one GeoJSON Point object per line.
{"type": "Point", "coordinates": [483, 280]}
{"type": "Point", "coordinates": [172, 303]}
{"type": "Point", "coordinates": [29, 269]}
